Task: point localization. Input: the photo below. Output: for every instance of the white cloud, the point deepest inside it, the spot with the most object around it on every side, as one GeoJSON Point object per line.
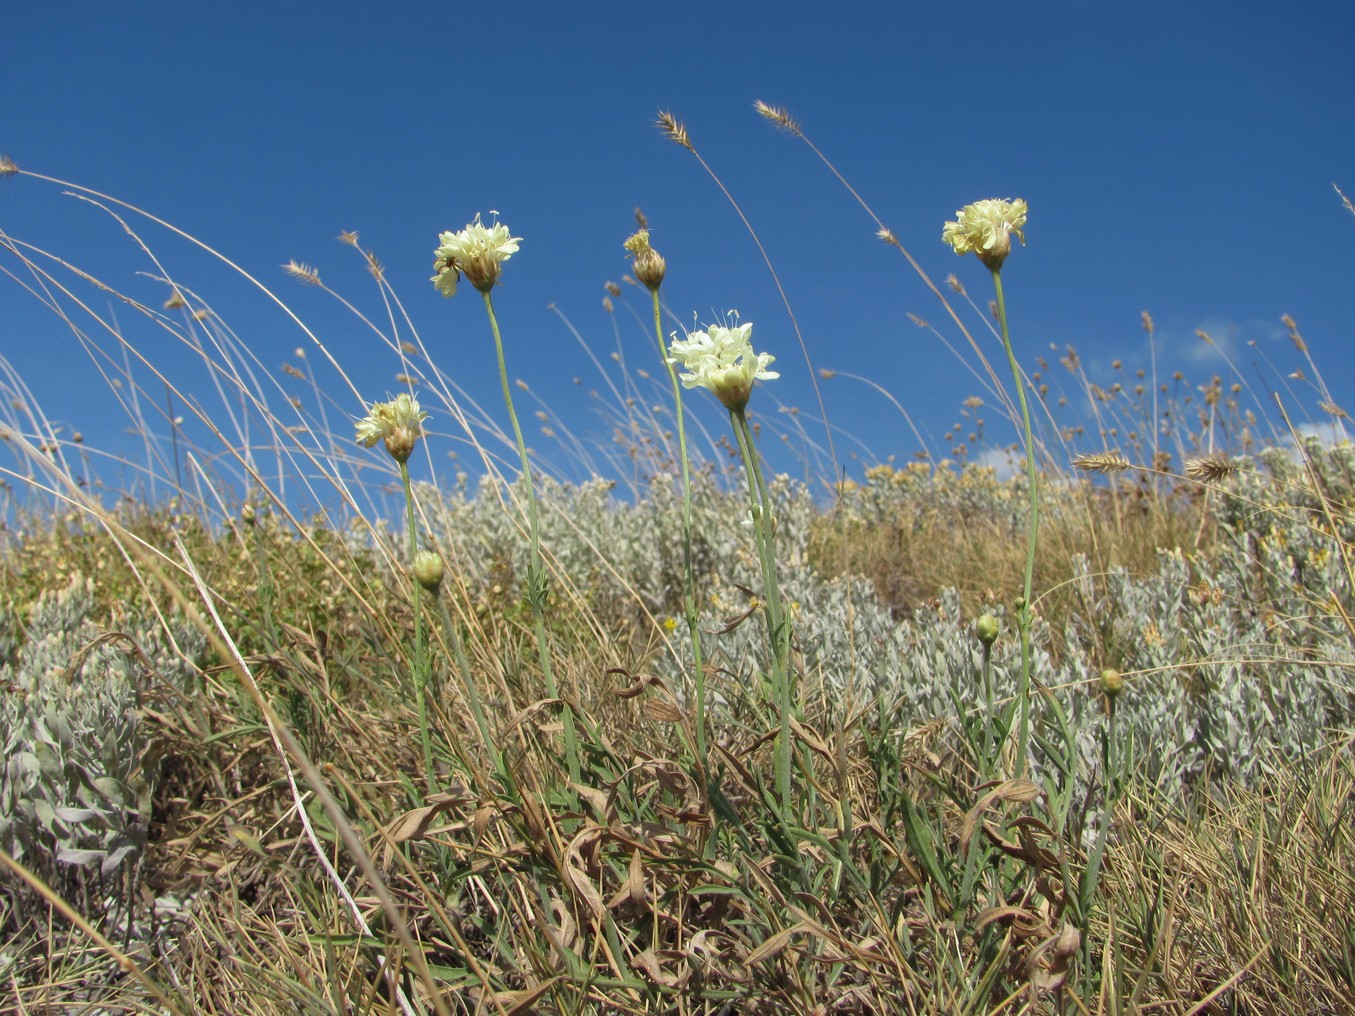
{"type": "Point", "coordinates": [1006, 462]}
{"type": "Point", "coordinates": [1231, 340]}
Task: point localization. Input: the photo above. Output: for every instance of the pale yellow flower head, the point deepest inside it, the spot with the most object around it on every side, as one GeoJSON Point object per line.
{"type": "Point", "coordinates": [722, 359]}
{"type": "Point", "coordinates": [476, 252]}
{"type": "Point", "coordinates": [985, 227]}
{"type": "Point", "coordinates": [397, 423]}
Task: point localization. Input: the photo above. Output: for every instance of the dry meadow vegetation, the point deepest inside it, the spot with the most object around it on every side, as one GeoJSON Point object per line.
{"type": "Point", "coordinates": [254, 763]}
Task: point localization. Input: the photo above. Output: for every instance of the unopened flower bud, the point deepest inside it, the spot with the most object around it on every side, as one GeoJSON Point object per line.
{"type": "Point", "coordinates": [428, 570]}
{"type": "Point", "coordinates": [1112, 683]}
{"type": "Point", "coordinates": [987, 628]}
{"type": "Point", "coordinates": [248, 515]}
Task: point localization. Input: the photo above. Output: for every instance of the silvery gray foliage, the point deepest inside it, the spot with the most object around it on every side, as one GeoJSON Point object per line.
{"type": "Point", "coordinates": [1226, 656]}
{"type": "Point", "coordinates": [76, 782]}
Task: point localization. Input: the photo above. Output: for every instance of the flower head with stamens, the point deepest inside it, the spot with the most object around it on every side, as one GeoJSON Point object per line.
{"type": "Point", "coordinates": [476, 252]}
{"type": "Point", "coordinates": [985, 227]}
{"type": "Point", "coordinates": [722, 359]}
{"type": "Point", "coordinates": [397, 423]}
{"type": "Point", "coordinates": [649, 264]}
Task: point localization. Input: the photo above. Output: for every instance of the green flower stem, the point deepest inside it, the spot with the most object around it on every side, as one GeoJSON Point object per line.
{"type": "Point", "coordinates": [778, 629]}
{"type": "Point", "coordinates": [420, 653]}
{"type": "Point", "coordinates": [986, 760]}
{"type": "Point", "coordinates": [689, 585]}
{"type": "Point", "coordinates": [1091, 875]}
{"type": "Point", "coordinates": [536, 576]}
{"type": "Point", "coordinates": [1033, 482]}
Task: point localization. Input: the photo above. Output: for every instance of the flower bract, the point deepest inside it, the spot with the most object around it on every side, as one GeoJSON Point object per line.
{"type": "Point", "coordinates": [722, 359]}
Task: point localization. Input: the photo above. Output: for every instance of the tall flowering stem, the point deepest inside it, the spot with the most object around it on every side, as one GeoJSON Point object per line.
{"type": "Point", "coordinates": [721, 359]}
{"type": "Point", "coordinates": [477, 253]}
{"type": "Point", "coordinates": [650, 270]}
{"type": "Point", "coordinates": [1033, 526]}
{"type": "Point", "coordinates": [398, 425]}
{"type": "Point", "coordinates": [985, 228]}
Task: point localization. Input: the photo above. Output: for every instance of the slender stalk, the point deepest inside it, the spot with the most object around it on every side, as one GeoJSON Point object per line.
{"type": "Point", "coordinates": [987, 752]}
{"type": "Point", "coordinates": [420, 652]}
{"type": "Point", "coordinates": [1023, 617]}
{"type": "Point", "coordinates": [689, 568]}
{"type": "Point", "coordinates": [778, 629]}
{"type": "Point", "coordinates": [536, 575]}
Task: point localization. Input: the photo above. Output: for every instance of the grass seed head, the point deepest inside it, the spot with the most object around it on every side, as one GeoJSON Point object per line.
{"type": "Point", "coordinates": [675, 131]}
{"type": "Point", "coordinates": [1210, 468]}
{"type": "Point", "coordinates": [1101, 463]}
{"type": "Point", "coordinates": [777, 115]}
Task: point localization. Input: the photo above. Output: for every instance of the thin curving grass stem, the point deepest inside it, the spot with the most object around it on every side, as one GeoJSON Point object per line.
{"type": "Point", "coordinates": [473, 693]}
{"type": "Point", "coordinates": [536, 576]}
{"type": "Point", "coordinates": [1023, 617]}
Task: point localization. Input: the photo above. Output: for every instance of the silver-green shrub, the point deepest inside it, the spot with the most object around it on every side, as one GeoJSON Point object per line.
{"type": "Point", "coordinates": [77, 778]}
{"type": "Point", "coordinates": [1227, 657]}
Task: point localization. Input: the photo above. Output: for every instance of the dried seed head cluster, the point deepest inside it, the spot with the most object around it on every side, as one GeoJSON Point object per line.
{"type": "Point", "coordinates": [303, 273]}
{"type": "Point", "coordinates": [1210, 468]}
{"type": "Point", "coordinates": [1102, 462]}
{"type": "Point", "coordinates": [676, 132]}
{"type": "Point", "coordinates": [777, 115]}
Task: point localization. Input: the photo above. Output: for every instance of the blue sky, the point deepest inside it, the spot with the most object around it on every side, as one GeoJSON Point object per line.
{"type": "Point", "coordinates": [1177, 158]}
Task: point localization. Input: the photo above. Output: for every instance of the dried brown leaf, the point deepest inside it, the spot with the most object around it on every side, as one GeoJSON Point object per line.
{"type": "Point", "coordinates": [1048, 964]}
{"type": "Point", "coordinates": [575, 869]}
{"type": "Point", "coordinates": [413, 825]}
{"type": "Point", "coordinates": [775, 945]}
{"type": "Point", "coordinates": [1019, 791]}
{"type": "Point", "coordinates": [662, 712]}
